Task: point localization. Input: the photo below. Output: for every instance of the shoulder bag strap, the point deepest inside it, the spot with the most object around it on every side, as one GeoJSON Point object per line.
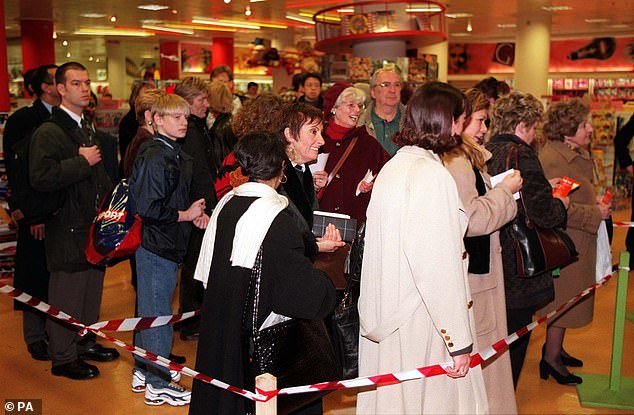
{"type": "Point", "coordinates": [341, 161]}
{"type": "Point", "coordinates": [514, 152]}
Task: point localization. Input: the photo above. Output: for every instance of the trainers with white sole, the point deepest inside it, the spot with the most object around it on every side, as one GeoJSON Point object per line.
{"type": "Point", "coordinates": [138, 379]}
{"type": "Point", "coordinates": [172, 394]}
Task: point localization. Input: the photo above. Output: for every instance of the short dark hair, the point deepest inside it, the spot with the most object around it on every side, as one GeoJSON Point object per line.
{"type": "Point", "coordinates": [136, 89]}
{"type": "Point", "coordinates": [60, 74]}
{"type": "Point", "coordinates": [295, 115]}
{"type": "Point", "coordinates": [39, 77]}
{"type": "Point", "coordinates": [250, 84]}
{"type": "Point", "coordinates": [428, 118]}
{"type": "Point", "coordinates": [261, 155]}
{"type": "Point", "coordinates": [221, 69]}
{"type": "Point", "coordinates": [298, 80]}
{"type": "Point", "coordinates": [489, 86]}
{"type": "Point", "coordinates": [312, 75]}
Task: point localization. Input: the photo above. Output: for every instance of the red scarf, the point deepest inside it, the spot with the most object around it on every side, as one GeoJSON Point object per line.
{"type": "Point", "coordinates": [337, 132]}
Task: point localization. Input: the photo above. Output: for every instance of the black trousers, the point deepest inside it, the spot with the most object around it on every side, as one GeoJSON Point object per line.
{"type": "Point", "coordinates": [516, 318]}
{"type": "Point", "coordinates": [77, 294]}
{"type": "Point", "coordinates": [32, 277]}
{"type": "Point", "coordinates": [191, 291]}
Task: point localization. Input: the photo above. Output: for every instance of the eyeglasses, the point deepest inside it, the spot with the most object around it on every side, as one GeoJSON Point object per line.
{"type": "Point", "coordinates": [385, 85]}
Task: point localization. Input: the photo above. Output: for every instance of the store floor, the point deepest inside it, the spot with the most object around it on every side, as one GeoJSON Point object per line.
{"type": "Point", "coordinates": [110, 394]}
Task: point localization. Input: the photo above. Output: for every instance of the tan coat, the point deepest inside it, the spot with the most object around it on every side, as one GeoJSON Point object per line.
{"type": "Point", "coordinates": [486, 216]}
{"type": "Point", "coordinates": [415, 306]}
{"type": "Point", "coordinates": [584, 218]}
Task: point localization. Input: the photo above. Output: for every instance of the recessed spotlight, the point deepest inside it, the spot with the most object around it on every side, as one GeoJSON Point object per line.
{"type": "Point", "coordinates": [423, 9]}
{"type": "Point", "coordinates": [227, 1]}
{"type": "Point", "coordinates": [113, 18]}
{"type": "Point", "coordinates": [68, 55]}
{"type": "Point", "coordinates": [469, 27]}
{"type": "Point", "coordinates": [152, 7]}
{"type": "Point", "coordinates": [556, 8]}
{"type": "Point", "coordinates": [65, 43]}
{"type": "Point", "coordinates": [54, 35]}
{"type": "Point", "coordinates": [597, 20]}
{"type": "Point", "coordinates": [458, 15]}
{"type": "Point", "coordinates": [247, 11]}
{"type": "Point", "coordinates": [174, 11]}
{"type": "Point", "coordinates": [93, 15]}
{"type": "Point", "coordinates": [97, 60]}
{"type": "Point", "coordinates": [507, 25]}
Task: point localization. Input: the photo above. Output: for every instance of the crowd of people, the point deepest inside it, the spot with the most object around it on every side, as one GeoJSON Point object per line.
{"type": "Point", "coordinates": [226, 188]}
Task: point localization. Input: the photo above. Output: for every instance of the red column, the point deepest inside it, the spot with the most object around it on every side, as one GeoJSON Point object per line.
{"type": "Point", "coordinates": [170, 60]}
{"type": "Point", "coordinates": [38, 45]}
{"type": "Point", "coordinates": [5, 104]}
{"type": "Point", "coordinates": [222, 52]}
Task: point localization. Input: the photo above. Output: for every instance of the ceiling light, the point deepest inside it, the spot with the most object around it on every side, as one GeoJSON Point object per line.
{"type": "Point", "coordinates": [507, 25]}
{"type": "Point", "coordinates": [93, 15]}
{"type": "Point", "coordinates": [618, 26]}
{"type": "Point", "coordinates": [152, 7]}
{"type": "Point", "coordinates": [174, 11]}
{"type": "Point", "coordinates": [205, 20]}
{"type": "Point", "coordinates": [54, 35]}
{"type": "Point", "coordinates": [97, 60]}
{"type": "Point", "coordinates": [346, 10]}
{"type": "Point", "coordinates": [65, 43]}
{"type": "Point", "coordinates": [90, 59]}
{"type": "Point", "coordinates": [469, 27]}
{"type": "Point", "coordinates": [423, 9]}
{"type": "Point", "coordinates": [247, 11]}
{"type": "Point", "coordinates": [68, 55]}
{"type": "Point", "coordinates": [458, 15]}
{"type": "Point", "coordinates": [299, 18]}
{"type": "Point", "coordinates": [96, 31]}
{"type": "Point", "coordinates": [200, 27]}
{"type": "Point", "coordinates": [113, 18]}
{"type": "Point", "coordinates": [256, 1]}
{"type": "Point", "coordinates": [321, 17]}
{"type": "Point", "coordinates": [151, 21]}
{"type": "Point", "coordinates": [556, 8]}
{"type": "Point", "coordinates": [168, 29]}
{"type": "Point", "coordinates": [227, 1]}
{"type": "Point", "coordinates": [597, 20]}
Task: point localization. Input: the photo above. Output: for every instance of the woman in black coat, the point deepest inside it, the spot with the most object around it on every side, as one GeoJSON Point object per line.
{"type": "Point", "coordinates": [514, 120]}
{"type": "Point", "coordinates": [290, 286]}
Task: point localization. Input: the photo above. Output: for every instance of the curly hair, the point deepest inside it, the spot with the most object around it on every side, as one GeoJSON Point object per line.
{"type": "Point", "coordinates": [512, 109]}
{"type": "Point", "coordinates": [261, 113]}
{"type": "Point", "coordinates": [429, 116]}
{"type": "Point", "coordinates": [563, 119]}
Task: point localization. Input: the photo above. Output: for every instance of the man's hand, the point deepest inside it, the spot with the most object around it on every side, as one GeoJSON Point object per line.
{"type": "Point", "coordinates": [91, 154]}
{"type": "Point", "coordinates": [37, 231]}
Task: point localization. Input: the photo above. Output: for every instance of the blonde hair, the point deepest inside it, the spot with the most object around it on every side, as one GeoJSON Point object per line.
{"type": "Point", "coordinates": [350, 94]}
{"type": "Point", "coordinates": [144, 102]}
{"type": "Point", "coordinates": [512, 109]}
{"type": "Point", "coordinates": [169, 105]}
{"type": "Point", "coordinates": [190, 88]}
{"type": "Point", "coordinates": [220, 97]}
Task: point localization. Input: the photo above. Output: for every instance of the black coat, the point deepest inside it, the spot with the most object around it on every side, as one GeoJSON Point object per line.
{"type": "Point", "coordinates": [159, 187]}
{"type": "Point", "coordinates": [223, 138]}
{"type": "Point", "coordinates": [56, 166]}
{"type": "Point", "coordinates": [544, 210]}
{"type": "Point", "coordinates": [289, 286]}
{"type": "Point", "coordinates": [128, 127]}
{"type": "Point", "coordinates": [199, 145]}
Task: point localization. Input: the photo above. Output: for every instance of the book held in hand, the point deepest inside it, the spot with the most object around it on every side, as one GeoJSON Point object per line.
{"type": "Point", "coordinates": [347, 226]}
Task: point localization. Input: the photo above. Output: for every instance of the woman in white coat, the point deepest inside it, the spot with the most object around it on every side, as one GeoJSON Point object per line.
{"type": "Point", "coordinates": [415, 304]}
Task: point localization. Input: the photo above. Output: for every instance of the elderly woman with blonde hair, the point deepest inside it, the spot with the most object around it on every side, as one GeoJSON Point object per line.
{"type": "Point", "coordinates": [343, 105]}
{"type": "Point", "coordinates": [568, 132]}
{"type": "Point", "coordinates": [488, 209]}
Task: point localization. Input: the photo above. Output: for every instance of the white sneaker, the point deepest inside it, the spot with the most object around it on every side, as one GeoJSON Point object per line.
{"type": "Point", "coordinates": [173, 394]}
{"type": "Point", "coordinates": [138, 379]}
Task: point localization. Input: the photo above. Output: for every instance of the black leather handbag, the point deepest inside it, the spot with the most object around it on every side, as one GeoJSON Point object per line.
{"type": "Point", "coordinates": [296, 351]}
{"type": "Point", "coordinates": [345, 319]}
{"type": "Point", "coordinates": [538, 250]}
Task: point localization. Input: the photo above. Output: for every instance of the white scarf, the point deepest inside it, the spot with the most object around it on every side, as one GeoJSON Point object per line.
{"type": "Point", "coordinates": [250, 229]}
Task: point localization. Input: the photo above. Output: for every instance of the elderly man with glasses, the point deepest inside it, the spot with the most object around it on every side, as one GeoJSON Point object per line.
{"type": "Point", "coordinates": [382, 118]}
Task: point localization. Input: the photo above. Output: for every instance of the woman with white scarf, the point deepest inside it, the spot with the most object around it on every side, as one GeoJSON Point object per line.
{"type": "Point", "coordinates": [249, 218]}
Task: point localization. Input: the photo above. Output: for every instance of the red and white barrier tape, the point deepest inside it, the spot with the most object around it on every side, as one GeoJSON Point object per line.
{"type": "Point", "coordinates": [141, 323]}
{"type": "Point", "coordinates": [263, 396]}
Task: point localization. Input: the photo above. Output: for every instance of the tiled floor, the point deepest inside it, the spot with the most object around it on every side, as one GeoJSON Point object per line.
{"type": "Point", "coordinates": [21, 377]}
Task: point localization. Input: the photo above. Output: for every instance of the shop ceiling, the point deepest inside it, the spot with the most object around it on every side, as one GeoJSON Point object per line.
{"type": "Point", "coordinates": [490, 20]}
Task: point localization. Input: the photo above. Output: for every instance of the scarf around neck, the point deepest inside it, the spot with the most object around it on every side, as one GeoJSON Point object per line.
{"type": "Point", "coordinates": [251, 228]}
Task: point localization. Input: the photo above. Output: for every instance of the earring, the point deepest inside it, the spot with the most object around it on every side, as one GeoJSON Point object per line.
{"type": "Point", "coordinates": [332, 112]}
{"type": "Point", "coordinates": [149, 123]}
{"type": "Point", "coordinates": [292, 153]}
{"type": "Point", "coordinates": [283, 179]}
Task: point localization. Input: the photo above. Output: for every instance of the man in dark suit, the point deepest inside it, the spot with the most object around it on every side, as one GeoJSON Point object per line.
{"type": "Point", "coordinates": [65, 156]}
{"type": "Point", "coordinates": [31, 274]}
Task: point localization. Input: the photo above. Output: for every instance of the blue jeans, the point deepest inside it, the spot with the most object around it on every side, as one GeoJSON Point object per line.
{"type": "Point", "coordinates": [156, 282]}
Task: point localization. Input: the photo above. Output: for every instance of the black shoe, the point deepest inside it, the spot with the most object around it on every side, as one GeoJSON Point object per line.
{"type": "Point", "coordinates": [78, 370]}
{"type": "Point", "coordinates": [100, 354]}
{"type": "Point", "coordinates": [189, 336]}
{"type": "Point", "coordinates": [545, 369]}
{"type": "Point", "coordinates": [178, 359]}
{"type": "Point", "coordinates": [38, 350]}
{"type": "Point", "coordinates": [569, 360]}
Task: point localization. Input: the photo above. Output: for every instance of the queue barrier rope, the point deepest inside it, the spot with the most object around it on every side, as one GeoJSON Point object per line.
{"type": "Point", "coordinates": [264, 396]}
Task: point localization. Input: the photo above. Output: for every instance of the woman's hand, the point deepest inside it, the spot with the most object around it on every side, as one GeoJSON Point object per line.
{"type": "Point", "coordinates": [554, 181]}
{"type": "Point", "coordinates": [331, 241]}
{"type": "Point", "coordinates": [606, 210]}
{"type": "Point", "coordinates": [365, 187]}
{"type": "Point", "coordinates": [460, 366]}
{"type": "Point", "coordinates": [565, 200]}
{"type": "Point", "coordinates": [319, 179]}
{"type": "Point", "coordinates": [201, 222]}
{"type": "Point", "coordinates": [514, 181]}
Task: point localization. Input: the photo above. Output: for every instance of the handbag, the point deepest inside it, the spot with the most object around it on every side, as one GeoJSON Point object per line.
{"type": "Point", "coordinates": [538, 250]}
{"type": "Point", "coordinates": [295, 351]}
{"type": "Point", "coordinates": [345, 319]}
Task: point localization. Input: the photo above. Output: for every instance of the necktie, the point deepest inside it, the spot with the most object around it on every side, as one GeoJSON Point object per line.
{"type": "Point", "coordinates": [89, 133]}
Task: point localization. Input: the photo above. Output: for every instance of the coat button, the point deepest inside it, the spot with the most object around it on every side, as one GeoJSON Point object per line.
{"type": "Point", "coordinates": [338, 144]}
{"type": "Point", "coordinates": [470, 304]}
{"type": "Point", "coordinates": [443, 331]}
{"type": "Point", "coordinates": [464, 255]}
{"type": "Point", "coordinates": [450, 344]}
{"type": "Point", "coordinates": [336, 208]}
{"type": "Point", "coordinates": [447, 338]}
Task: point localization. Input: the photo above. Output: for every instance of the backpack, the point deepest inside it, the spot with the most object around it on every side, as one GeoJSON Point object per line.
{"type": "Point", "coordinates": [36, 206]}
{"type": "Point", "coordinates": [116, 231]}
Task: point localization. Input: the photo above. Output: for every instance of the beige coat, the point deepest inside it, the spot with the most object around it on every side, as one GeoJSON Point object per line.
{"type": "Point", "coordinates": [415, 306]}
{"type": "Point", "coordinates": [584, 218]}
{"type": "Point", "coordinates": [486, 216]}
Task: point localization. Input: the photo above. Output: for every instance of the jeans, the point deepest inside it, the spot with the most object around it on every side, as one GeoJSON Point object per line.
{"type": "Point", "coordinates": [156, 282]}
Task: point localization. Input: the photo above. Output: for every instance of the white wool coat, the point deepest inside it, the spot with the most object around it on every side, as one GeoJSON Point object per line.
{"type": "Point", "coordinates": [415, 304]}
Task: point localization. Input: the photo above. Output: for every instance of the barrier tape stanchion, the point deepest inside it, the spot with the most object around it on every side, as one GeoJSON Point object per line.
{"type": "Point", "coordinates": [263, 396]}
